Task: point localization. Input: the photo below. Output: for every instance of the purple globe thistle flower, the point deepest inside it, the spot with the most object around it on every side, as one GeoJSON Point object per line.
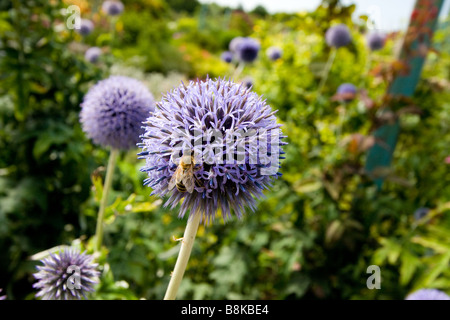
{"type": "Point", "coordinates": [234, 44]}
{"type": "Point", "coordinates": [113, 111]}
{"type": "Point", "coordinates": [428, 294]}
{"type": "Point", "coordinates": [227, 56]}
{"type": "Point", "coordinates": [232, 138]}
{"type": "Point", "coordinates": [420, 213]}
{"type": "Point", "coordinates": [247, 49]}
{"type": "Point", "coordinates": [338, 36]}
{"type": "Point", "coordinates": [86, 27]}
{"type": "Point", "coordinates": [92, 54]}
{"type": "Point", "coordinates": [375, 41]}
{"type": "Point", "coordinates": [112, 8]}
{"type": "Point", "coordinates": [274, 53]}
{"type": "Point", "coordinates": [68, 275]}
{"type": "Point", "coordinates": [345, 92]}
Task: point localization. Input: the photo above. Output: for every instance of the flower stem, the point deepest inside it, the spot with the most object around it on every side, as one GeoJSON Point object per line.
{"type": "Point", "coordinates": [327, 69]}
{"type": "Point", "coordinates": [183, 256]}
{"type": "Point", "coordinates": [106, 187]}
{"type": "Point", "coordinates": [237, 71]}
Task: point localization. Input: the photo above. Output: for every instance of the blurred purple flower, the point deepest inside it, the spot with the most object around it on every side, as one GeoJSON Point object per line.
{"type": "Point", "coordinates": [92, 54]}
{"type": "Point", "coordinates": [247, 49]}
{"type": "Point", "coordinates": [227, 56]}
{"type": "Point", "coordinates": [428, 294]}
{"type": "Point", "coordinates": [345, 92]}
{"type": "Point", "coordinates": [2, 297]}
{"type": "Point", "coordinates": [447, 160]}
{"type": "Point", "coordinates": [234, 43]}
{"type": "Point", "coordinates": [420, 213]}
{"type": "Point", "coordinates": [113, 111]}
{"type": "Point", "coordinates": [68, 275]}
{"type": "Point", "coordinates": [338, 36]}
{"type": "Point", "coordinates": [248, 82]}
{"type": "Point", "coordinates": [86, 27]}
{"type": "Point", "coordinates": [199, 120]}
{"type": "Point", "coordinates": [274, 53]}
{"type": "Point", "coordinates": [112, 8]}
{"type": "Point", "coordinates": [375, 41]}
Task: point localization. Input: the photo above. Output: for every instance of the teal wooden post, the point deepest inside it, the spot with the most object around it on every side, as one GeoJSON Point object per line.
{"type": "Point", "coordinates": [419, 34]}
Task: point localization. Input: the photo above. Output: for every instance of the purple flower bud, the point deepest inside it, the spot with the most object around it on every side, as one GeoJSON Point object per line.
{"type": "Point", "coordinates": [375, 41]}
{"type": "Point", "coordinates": [338, 36]}
{"type": "Point", "coordinates": [274, 53]}
{"type": "Point", "coordinates": [428, 294]}
{"type": "Point", "coordinates": [92, 54]}
{"type": "Point", "coordinates": [420, 213]}
{"type": "Point", "coordinates": [346, 88]}
{"type": "Point", "coordinates": [86, 27]}
{"type": "Point", "coordinates": [346, 92]}
{"type": "Point", "coordinates": [230, 137]}
{"type": "Point", "coordinates": [247, 49]}
{"type": "Point", "coordinates": [68, 275]}
{"type": "Point", "coordinates": [113, 111]}
{"type": "Point", "coordinates": [112, 8]}
{"type": "Point", "coordinates": [248, 82]}
{"type": "Point", "coordinates": [227, 56]}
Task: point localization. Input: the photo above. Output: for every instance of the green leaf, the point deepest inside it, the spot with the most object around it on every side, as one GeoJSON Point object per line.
{"type": "Point", "coordinates": [409, 264]}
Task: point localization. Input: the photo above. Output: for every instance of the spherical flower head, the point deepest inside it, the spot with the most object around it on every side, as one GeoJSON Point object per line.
{"type": "Point", "coordinates": [234, 44]}
{"type": "Point", "coordinates": [338, 36]}
{"type": "Point", "coordinates": [274, 53]}
{"type": "Point", "coordinates": [93, 54]}
{"type": "Point", "coordinates": [227, 56]}
{"type": "Point", "coordinates": [68, 275]}
{"type": "Point", "coordinates": [247, 50]}
{"type": "Point", "coordinates": [375, 41]}
{"type": "Point", "coordinates": [420, 213]}
{"type": "Point", "coordinates": [428, 294]}
{"type": "Point", "coordinates": [113, 111]}
{"type": "Point", "coordinates": [86, 27]}
{"type": "Point", "coordinates": [346, 92]}
{"type": "Point", "coordinates": [112, 8]}
{"type": "Point", "coordinates": [231, 139]}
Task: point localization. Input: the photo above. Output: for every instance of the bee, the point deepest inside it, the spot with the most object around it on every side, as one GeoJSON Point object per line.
{"type": "Point", "coordinates": [184, 178]}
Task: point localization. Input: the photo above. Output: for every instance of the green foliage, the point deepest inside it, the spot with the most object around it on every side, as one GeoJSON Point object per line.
{"type": "Point", "coordinates": [320, 226]}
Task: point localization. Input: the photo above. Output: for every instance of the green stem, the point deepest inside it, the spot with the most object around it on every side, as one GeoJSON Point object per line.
{"type": "Point", "coordinates": [106, 187]}
{"type": "Point", "coordinates": [327, 69]}
{"type": "Point", "coordinates": [183, 256]}
{"type": "Point", "coordinates": [237, 72]}
{"type": "Point", "coordinates": [113, 22]}
{"type": "Point", "coordinates": [366, 69]}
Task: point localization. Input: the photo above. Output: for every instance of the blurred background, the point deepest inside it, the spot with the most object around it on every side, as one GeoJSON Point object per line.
{"type": "Point", "coordinates": [323, 223]}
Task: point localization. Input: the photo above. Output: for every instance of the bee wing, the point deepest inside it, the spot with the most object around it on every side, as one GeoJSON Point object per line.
{"type": "Point", "coordinates": [174, 180]}
{"type": "Point", "coordinates": [189, 181]}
